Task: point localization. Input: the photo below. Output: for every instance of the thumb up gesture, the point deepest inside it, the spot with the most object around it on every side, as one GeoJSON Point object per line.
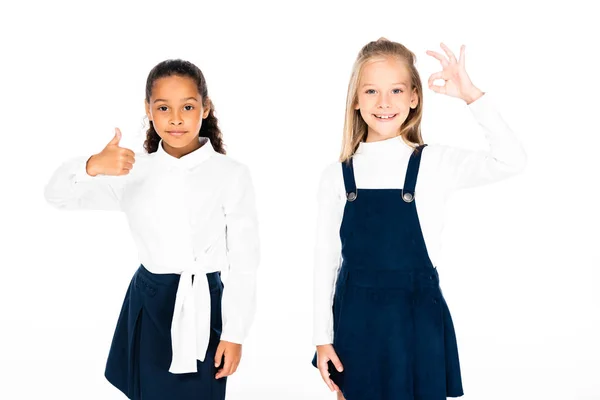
{"type": "Point", "coordinates": [112, 160]}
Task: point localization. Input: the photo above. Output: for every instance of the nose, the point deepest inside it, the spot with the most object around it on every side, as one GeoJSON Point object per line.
{"type": "Point", "coordinates": [175, 118]}
{"type": "Point", "coordinates": [383, 101]}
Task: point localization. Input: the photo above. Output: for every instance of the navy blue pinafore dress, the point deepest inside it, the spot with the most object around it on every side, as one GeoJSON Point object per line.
{"type": "Point", "coordinates": [392, 328]}
{"type": "Point", "coordinates": [140, 353]}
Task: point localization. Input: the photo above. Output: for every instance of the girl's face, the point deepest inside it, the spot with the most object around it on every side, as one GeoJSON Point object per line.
{"type": "Point", "coordinates": [385, 97]}
{"type": "Point", "coordinates": [176, 111]}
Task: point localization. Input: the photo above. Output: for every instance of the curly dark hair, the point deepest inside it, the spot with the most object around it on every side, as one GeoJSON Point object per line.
{"type": "Point", "coordinates": [210, 125]}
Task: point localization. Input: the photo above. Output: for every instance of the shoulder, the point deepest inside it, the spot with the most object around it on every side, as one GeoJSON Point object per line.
{"type": "Point", "coordinates": [439, 154]}
{"type": "Point", "coordinates": [435, 149]}
{"type": "Point", "coordinates": [229, 168]}
{"type": "Point", "coordinates": [438, 166]}
{"type": "Point", "coordinates": [331, 173]}
{"type": "Point", "coordinates": [228, 162]}
{"type": "Point", "coordinates": [331, 182]}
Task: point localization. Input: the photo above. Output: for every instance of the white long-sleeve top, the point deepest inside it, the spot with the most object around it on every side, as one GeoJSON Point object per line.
{"type": "Point", "coordinates": [383, 164]}
{"type": "Point", "coordinates": [191, 215]}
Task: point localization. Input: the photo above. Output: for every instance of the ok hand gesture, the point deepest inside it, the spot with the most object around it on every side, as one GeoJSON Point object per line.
{"type": "Point", "coordinates": [456, 81]}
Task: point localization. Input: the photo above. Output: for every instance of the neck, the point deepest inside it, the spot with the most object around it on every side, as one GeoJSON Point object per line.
{"type": "Point", "coordinates": [179, 152]}
{"type": "Point", "coordinates": [373, 136]}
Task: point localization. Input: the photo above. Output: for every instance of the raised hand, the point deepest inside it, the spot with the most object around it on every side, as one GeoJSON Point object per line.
{"type": "Point", "coordinates": [456, 81]}
{"type": "Point", "coordinates": [112, 160]}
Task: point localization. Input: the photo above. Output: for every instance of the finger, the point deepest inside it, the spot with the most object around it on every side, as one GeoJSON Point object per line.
{"type": "Point", "coordinates": [336, 362]}
{"type": "Point", "coordinates": [220, 374]}
{"type": "Point", "coordinates": [449, 53]}
{"type": "Point", "coordinates": [433, 77]}
{"type": "Point", "coordinates": [325, 375]}
{"type": "Point", "coordinates": [127, 157]}
{"type": "Point", "coordinates": [226, 370]}
{"type": "Point", "coordinates": [115, 140]}
{"type": "Point", "coordinates": [125, 165]}
{"type": "Point", "coordinates": [335, 387]}
{"type": "Point", "coordinates": [438, 89]}
{"type": "Point", "coordinates": [127, 152]}
{"type": "Point", "coordinates": [228, 366]}
{"type": "Point", "coordinates": [439, 57]}
{"type": "Point", "coordinates": [219, 354]}
{"type": "Point", "coordinates": [461, 60]}
{"type": "Point", "coordinates": [234, 367]}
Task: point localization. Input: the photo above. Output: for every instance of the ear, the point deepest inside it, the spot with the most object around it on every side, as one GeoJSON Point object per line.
{"type": "Point", "coordinates": [207, 106]}
{"type": "Point", "coordinates": [148, 113]}
{"type": "Point", "coordinates": [414, 99]}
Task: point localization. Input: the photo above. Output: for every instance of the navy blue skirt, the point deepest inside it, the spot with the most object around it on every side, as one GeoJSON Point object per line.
{"type": "Point", "coordinates": [393, 333]}
{"type": "Point", "coordinates": [140, 354]}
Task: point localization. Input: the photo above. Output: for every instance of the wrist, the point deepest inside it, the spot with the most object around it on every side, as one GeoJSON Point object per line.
{"type": "Point", "coordinates": [230, 337]}
{"type": "Point", "coordinates": [231, 343]}
{"type": "Point", "coordinates": [472, 95]}
{"type": "Point", "coordinates": [320, 346]}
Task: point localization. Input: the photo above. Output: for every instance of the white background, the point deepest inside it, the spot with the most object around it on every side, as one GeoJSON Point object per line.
{"type": "Point", "coordinates": [520, 266]}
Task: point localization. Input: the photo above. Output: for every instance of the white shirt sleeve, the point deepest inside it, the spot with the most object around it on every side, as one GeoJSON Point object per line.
{"type": "Point", "coordinates": [327, 251]}
{"type": "Point", "coordinates": [461, 168]}
{"type": "Point", "coordinates": [239, 295]}
{"type": "Point", "coordinates": [71, 188]}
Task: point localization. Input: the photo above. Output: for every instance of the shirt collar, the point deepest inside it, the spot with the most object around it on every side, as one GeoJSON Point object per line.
{"type": "Point", "coordinates": [386, 148]}
{"type": "Point", "coordinates": [190, 160]}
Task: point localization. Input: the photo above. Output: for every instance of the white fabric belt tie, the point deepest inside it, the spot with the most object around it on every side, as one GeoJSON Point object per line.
{"type": "Point", "coordinates": [190, 328]}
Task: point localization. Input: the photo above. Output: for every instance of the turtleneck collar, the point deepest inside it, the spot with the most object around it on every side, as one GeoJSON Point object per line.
{"type": "Point", "coordinates": [387, 148]}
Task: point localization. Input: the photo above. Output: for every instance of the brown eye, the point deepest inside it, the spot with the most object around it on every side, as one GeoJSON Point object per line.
{"type": "Point", "coordinates": [162, 108]}
{"type": "Point", "coordinates": [188, 107]}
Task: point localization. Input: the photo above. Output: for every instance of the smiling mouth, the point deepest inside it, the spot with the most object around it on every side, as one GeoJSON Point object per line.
{"type": "Point", "coordinates": [385, 117]}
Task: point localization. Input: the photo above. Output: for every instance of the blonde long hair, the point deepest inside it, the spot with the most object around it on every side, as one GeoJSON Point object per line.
{"type": "Point", "coordinates": [355, 127]}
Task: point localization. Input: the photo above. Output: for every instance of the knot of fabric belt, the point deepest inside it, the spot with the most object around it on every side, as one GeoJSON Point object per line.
{"type": "Point", "coordinates": [190, 328]}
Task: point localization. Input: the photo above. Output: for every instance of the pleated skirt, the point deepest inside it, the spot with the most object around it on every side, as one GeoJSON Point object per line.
{"type": "Point", "coordinates": [140, 353]}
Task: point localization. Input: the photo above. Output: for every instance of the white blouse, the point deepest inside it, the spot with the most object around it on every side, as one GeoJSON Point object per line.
{"type": "Point", "coordinates": [383, 164]}
{"type": "Point", "coordinates": [188, 216]}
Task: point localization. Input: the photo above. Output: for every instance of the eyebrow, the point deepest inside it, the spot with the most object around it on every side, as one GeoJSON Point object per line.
{"type": "Point", "coordinates": [166, 101]}
{"type": "Point", "coordinates": [393, 84]}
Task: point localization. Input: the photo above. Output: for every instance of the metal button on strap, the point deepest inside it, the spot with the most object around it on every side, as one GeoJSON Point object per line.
{"type": "Point", "coordinates": [407, 197]}
{"type": "Point", "coordinates": [351, 196]}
